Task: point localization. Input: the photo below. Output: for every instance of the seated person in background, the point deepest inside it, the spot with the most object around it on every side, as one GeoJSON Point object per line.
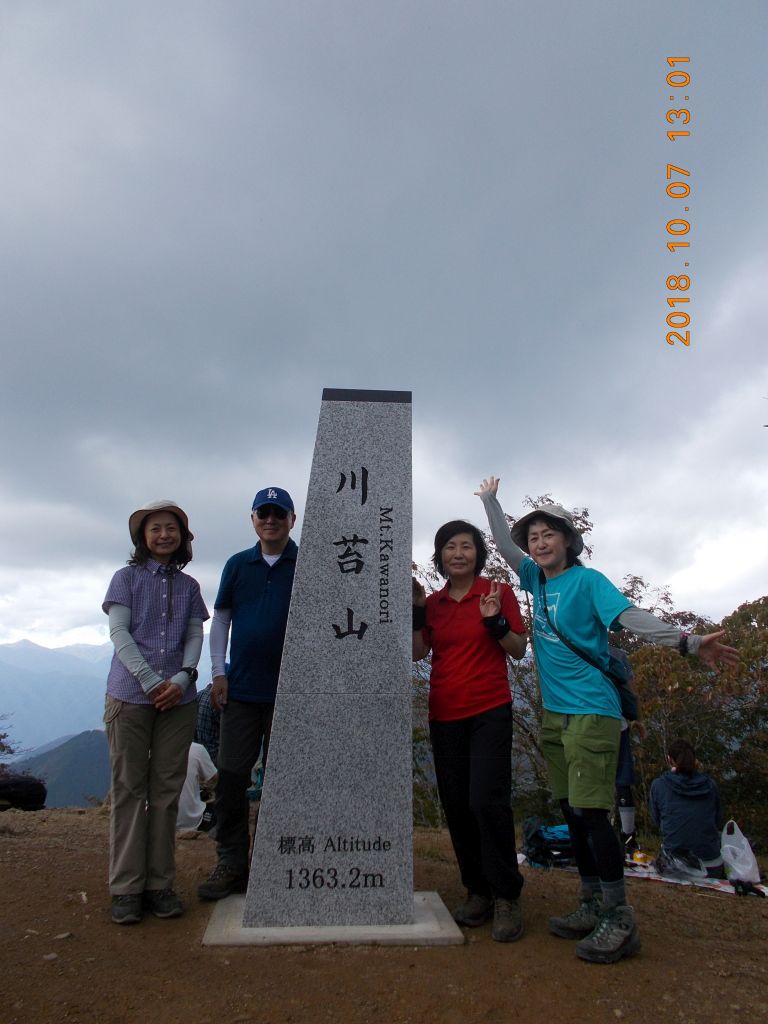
{"type": "Point", "coordinates": [685, 804]}
{"type": "Point", "coordinates": [201, 771]}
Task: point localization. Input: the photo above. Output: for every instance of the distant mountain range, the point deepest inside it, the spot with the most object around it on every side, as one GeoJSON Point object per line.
{"type": "Point", "coordinates": [47, 694]}
{"type": "Point", "coordinates": [76, 770]}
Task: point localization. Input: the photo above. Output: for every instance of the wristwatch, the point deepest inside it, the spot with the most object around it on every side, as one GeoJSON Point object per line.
{"type": "Point", "coordinates": [192, 673]}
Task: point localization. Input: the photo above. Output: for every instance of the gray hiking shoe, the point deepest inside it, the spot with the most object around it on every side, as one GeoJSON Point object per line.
{"type": "Point", "coordinates": [579, 922]}
{"type": "Point", "coordinates": [163, 903]}
{"type": "Point", "coordinates": [507, 920]}
{"type": "Point", "coordinates": [614, 937]}
{"type": "Point", "coordinates": [127, 909]}
{"type": "Point", "coordinates": [474, 911]}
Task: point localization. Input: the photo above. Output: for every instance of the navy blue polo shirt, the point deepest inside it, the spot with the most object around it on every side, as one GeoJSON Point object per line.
{"type": "Point", "coordinates": [259, 596]}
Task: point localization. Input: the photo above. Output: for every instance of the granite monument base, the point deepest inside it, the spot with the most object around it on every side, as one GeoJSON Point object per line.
{"type": "Point", "coordinates": [432, 926]}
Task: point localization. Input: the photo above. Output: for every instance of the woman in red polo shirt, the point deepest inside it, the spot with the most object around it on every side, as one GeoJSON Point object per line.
{"type": "Point", "coordinates": [471, 626]}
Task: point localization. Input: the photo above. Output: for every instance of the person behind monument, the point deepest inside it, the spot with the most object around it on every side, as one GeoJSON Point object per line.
{"type": "Point", "coordinates": [156, 615]}
{"type": "Point", "coordinates": [253, 600]}
{"type": "Point", "coordinates": [582, 715]}
{"type": "Point", "coordinates": [471, 626]}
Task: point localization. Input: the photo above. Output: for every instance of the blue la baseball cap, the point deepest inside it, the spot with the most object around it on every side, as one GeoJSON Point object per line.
{"type": "Point", "coordinates": [273, 496]}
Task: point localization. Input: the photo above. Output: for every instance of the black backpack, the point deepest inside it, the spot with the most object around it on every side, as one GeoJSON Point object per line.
{"type": "Point", "coordinates": [22, 791]}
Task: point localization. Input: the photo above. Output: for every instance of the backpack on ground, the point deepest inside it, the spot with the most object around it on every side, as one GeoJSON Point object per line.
{"type": "Point", "coordinates": [547, 846]}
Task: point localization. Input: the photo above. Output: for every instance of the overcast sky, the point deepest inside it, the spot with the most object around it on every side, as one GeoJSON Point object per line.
{"type": "Point", "coordinates": [211, 211]}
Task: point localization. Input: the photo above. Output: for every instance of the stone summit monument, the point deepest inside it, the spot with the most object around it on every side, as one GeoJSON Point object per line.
{"type": "Point", "coordinates": [334, 841]}
{"type": "Point", "coordinates": [334, 838]}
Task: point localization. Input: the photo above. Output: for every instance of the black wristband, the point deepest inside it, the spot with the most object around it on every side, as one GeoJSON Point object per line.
{"type": "Point", "coordinates": [683, 644]}
{"type": "Point", "coordinates": [419, 616]}
{"type": "Point", "coordinates": [192, 673]}
{"type": "Point", "coordinates": [497, 626]}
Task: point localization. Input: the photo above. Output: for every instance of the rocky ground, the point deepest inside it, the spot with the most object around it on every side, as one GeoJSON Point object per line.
{"type": "Point", "coordinates": [62, 960]}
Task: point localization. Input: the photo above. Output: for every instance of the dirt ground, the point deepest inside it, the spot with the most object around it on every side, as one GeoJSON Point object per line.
{"type": "Point", "coordinates": [703, 958]}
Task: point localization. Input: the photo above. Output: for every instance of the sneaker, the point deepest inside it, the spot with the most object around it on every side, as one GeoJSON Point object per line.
{"type": "Point", "coordinates": [207, 822]}
{"type": "Point", "coordinates": [507, 920]}
{"type": "Point", "coordinates": [222, 882]}
{"type": "Point", "coordinates": [474, 911]}
{"type": "Point", "coordinates": [579, 922]}
{"type": "Point", "coordinates": [614, 937]}
{"type": "Point", "coordinates": [127, 909]}
{"type": "Point", "coordinates": [163, 903]}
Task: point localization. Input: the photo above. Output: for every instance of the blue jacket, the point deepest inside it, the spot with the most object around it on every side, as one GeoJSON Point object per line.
{"type": "Point", "coordinates": [686, 809]}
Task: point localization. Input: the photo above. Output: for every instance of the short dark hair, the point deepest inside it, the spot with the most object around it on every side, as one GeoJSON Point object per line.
{"type": "Point", "coordinates": [571, 558]}
{"type": "Point", "coordinates": [683, 756]}
{"type": "Point", "coordinates": [449, 530]}
{"type": "Point", "coordinates": [180, 557]}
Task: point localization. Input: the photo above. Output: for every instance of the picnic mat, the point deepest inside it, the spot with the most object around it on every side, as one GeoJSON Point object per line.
{"type": "Point", "coordinates": [649, 873]}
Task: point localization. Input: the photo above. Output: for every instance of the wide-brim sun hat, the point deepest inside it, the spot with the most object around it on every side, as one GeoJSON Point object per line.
{"type": "Point", "coordinates": [162, 505]}
{"type": "Point", "coordinates": [561, 515]}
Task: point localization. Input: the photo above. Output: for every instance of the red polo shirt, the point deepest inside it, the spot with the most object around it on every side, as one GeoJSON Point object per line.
{"type": "Point", "coordinates": [469, 667]}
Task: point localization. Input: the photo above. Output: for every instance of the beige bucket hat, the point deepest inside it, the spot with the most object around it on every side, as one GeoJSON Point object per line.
{"type": "Point", "coordinates": [557, 512]}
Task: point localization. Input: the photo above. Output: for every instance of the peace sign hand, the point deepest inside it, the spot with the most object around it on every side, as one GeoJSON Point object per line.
{"type": "Point", "coordinates": [490, 603]}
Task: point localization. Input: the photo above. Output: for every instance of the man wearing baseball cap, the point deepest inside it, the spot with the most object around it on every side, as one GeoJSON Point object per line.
{"type": "Point", "coordinates": [253, 600]}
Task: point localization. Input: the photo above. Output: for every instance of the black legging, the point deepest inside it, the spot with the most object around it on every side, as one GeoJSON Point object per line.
{"type": "Point", "coordinates": [596, 846]}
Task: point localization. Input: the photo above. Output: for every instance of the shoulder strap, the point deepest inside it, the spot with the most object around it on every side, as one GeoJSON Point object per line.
{"type": "Point", "coordinates": [571, 647]}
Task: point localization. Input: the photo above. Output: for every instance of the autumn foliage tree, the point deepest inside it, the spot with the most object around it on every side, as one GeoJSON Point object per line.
{"type": "Point", "coordinates": [723, 714]}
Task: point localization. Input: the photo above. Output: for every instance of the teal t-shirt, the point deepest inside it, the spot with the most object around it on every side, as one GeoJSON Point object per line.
{"type": "Point", "coordinates": [582, 604]}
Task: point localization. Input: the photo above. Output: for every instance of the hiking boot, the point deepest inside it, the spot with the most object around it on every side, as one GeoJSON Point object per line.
{"type": "Point", "coordinates": [474, 911]}
{"type": "Point", "coordinates": [127, 909]}
{"type": "Point", "coordinates": [222, 882]}
{"type": "Point", "coordinates": [163, 903]}
{"type": "Point", "coordinates": [579, 922]}
{"type": "Point", "coordinates": [614, 937]}
{"type": "Point", "coordinates": [507, 920]}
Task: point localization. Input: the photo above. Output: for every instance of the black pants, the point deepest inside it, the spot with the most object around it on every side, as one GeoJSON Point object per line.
{"type": "Point", "coordinates": [474, 780]}
{"type": "Point", "coordinates": [244, 728]}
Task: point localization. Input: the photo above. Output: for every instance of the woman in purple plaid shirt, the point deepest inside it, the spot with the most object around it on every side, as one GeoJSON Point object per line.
{"type": "Point", "coordinates": [156, 615]}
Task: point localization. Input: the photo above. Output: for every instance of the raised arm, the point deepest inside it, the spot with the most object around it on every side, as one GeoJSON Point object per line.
{"type": "Point", "coordinates": [507, 548]}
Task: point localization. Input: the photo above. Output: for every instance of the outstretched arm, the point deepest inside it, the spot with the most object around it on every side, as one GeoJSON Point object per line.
{"type": "Point", "coordinates": [708, 648]}
{"type": "Point", "coordinates": [508, 550]}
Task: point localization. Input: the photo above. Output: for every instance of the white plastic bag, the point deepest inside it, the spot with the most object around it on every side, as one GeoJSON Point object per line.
{"type": "Point", "coordinates": [738, 858]}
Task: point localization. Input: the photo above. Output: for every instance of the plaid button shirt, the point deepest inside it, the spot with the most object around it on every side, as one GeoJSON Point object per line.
{"type": "Point", "coordinates": [162, 601]}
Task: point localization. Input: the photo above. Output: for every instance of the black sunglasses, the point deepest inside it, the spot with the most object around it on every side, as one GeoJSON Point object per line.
{"type": "Point", "coordinates": [265, 511]}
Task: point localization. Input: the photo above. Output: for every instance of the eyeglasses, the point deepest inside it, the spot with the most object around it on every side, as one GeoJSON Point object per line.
{"type": "Point", "coordinates": [265, 511]}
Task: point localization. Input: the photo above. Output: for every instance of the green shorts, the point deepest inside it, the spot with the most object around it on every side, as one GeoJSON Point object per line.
{"type": "Point", "coordinates": [581, 752]}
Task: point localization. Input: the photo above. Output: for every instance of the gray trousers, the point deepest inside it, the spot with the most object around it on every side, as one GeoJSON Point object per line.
{"type": "Point", "coordinates": [148, 752]}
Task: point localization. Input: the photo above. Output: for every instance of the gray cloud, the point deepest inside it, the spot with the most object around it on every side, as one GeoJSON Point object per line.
{"type": "Point", "coordinates": [212, 212]}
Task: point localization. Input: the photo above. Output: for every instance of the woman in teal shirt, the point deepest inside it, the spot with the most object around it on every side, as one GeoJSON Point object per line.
{"type": "Point", "coordinates": [581, 727]}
